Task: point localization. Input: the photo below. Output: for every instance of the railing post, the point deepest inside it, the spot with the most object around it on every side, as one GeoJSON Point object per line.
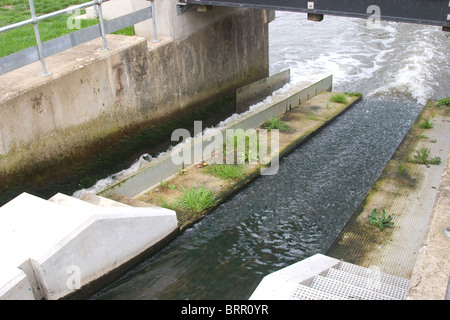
{"type": "Point", "coordinates": [44, 73]}
{"type": "Point", "coordinates": [102, 25]}
{"type": "Point", "coordinates": [154, 22]}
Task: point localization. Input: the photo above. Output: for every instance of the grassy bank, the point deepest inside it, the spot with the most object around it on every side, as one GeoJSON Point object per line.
{"type": "Point", "coordinates": [13, 11]}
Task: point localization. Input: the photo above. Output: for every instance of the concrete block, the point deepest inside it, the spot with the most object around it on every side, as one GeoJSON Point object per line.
{"type": "Point", "coordinates": [101, 201]}
{"type": "Point", "coordinates": [14, 285]}
{"type": "Point", "coordinates": [30, 226]}
{"type": "Point", "coordinates": [33, 227]}
{"type": "Point", "coordinates": [113, 240]}
{"type": "Point", "coordinates": [65, 243]}
{"type": "Point", "coordinates": [119, 234]}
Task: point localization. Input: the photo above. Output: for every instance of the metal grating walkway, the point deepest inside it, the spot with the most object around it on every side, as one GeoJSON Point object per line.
{"type": "Point", "coordinates": [352, 282]}
{"type": "Point", "coordinates": [324, 278]}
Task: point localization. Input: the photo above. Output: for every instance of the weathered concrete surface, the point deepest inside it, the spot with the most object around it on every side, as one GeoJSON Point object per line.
{"type": "Point", "coordinates": [431, 273]}
{"type": "Point", "coordinates": [94, 96]}
{"type": "Point", "coordinates": [168, 23]}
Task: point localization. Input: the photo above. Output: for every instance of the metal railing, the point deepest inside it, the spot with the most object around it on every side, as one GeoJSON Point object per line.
{"type": "Point", "coordinates": [51, 47]}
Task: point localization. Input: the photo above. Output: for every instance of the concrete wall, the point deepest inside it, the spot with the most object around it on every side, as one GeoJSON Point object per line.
{"type": "Point", "coordinates": [92, 95]}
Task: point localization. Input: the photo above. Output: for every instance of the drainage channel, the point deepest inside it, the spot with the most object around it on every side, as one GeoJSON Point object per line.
{"type": "Point", "coordinates": [276, 220]}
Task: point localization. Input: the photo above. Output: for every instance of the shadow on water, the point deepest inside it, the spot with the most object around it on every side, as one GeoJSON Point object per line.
{"type": "Point", "coordinates": [276, 220]}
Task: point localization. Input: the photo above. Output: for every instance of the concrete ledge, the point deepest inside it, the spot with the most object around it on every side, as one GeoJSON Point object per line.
{"type": "Point", "coordinates": [64, 244]}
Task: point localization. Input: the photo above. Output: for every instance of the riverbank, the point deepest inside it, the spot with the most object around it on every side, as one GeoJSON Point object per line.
{"type": "Point", "coordinates": [414, 194]}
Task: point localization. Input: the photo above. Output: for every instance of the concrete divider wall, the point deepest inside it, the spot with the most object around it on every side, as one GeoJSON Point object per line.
{"type": "Point", "coordinates": [257, 91]}
{"type": "Point", "coordinates": [165, 167]}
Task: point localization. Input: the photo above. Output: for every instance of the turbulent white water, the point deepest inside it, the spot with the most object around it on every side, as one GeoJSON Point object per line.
{"type": "Point", "coordinates": [405, 60]}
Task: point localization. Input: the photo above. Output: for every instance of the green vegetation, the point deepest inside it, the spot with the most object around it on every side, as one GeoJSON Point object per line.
{"type": "Point", "coordinates": [275, 123]}
{"type": "Point", "coordinates": [422, 157]}
{"type": "Point", "coordinates": [357, 94]}
{"type": "Point", "coordinates": [226, 171]}
{"type": "Point", "coordinates": [444, 102]}
{"type": "Point", "coordinates": [196, 200]}
{"type": "Point", "coordinates": [381, 222]}
{"type": "Point", "coordinates": [245, 147]}
{"type": "Point", "coordinates": [313, 117]}
{"type": "Point", "coordinates": [400, 170]}
{"type": "Point", "coordinates": [165, 184]}
{"type": "Point", "coordinates": [426, 124]}
{"type": "Point", "coordinates": [13, 11]}
{"type": "Point", "coordinates": [338, 98]}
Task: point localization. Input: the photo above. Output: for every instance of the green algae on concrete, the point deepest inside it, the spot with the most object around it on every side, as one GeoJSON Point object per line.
{"type": "Point", "coordinates": [407, 194]}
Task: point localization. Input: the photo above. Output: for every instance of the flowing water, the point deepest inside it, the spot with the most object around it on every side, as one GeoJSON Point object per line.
{"type": "Point", "coordinates": [281, 219]}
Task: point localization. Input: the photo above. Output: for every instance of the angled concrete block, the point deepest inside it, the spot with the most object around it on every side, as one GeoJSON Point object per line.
{"type": "Point", "coordinates": [14, 285]}
{"type": "Point", "coordinates": [119, 234]}
{"type": "Point", "coordinates": [32, 227]}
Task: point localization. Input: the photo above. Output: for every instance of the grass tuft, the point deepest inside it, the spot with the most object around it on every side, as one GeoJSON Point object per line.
{"type": "Point", "coordinates": [422, 156]}
{"type": "Point", "coordinates": [425, 124]}
{"type": "Point", "coordinates": [196, 200]}
{"type": "Point", "coordinates": [444, 102]}
{"type": "Point", "coordinates": [338, 98]}
{"type": "Point", "coordinates": [275, 123]}
{"type": "Point", "coordinates": [357, 94]}
{"type": "Point", "coordinates": [226, 171]}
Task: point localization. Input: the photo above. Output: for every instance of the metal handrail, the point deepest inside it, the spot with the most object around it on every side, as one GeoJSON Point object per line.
{"type": "Point", "coordinates": [50, 15]}
{"type": "Point", "coordinates": [35, 20]}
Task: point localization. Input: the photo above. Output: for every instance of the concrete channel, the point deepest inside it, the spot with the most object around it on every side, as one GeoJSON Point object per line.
{"type": "Point", "coordinates": [74, 259]}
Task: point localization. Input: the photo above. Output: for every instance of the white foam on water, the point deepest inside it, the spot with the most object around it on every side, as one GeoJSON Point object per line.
{"type": "Point", "coordinates": [414, 69]}
{"type": "Point", "coordinates": [114, 178]}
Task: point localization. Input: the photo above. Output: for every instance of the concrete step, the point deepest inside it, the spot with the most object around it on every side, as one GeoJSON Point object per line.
{"type": "Point", "coordinates": [374, 274]}
{"type": "Point", "coordinates": [303, 292]}
{"type": "Point", "coordinates": [344, 290]}
{"type": "Point", "coordinates": [372, 283]}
